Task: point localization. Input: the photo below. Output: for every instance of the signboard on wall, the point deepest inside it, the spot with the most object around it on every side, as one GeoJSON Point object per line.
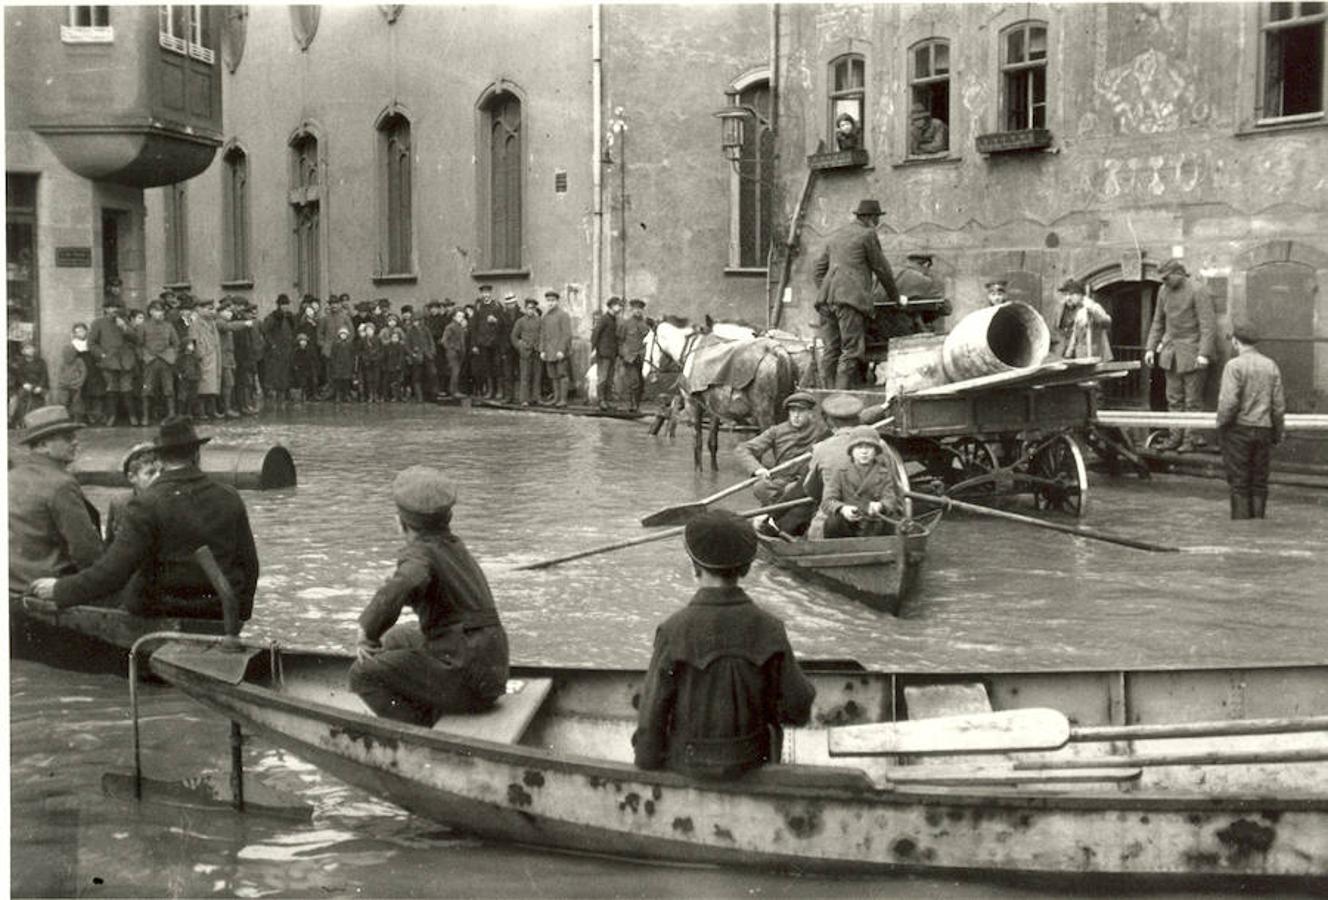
{"type": "Point", "coordinates": [73, 257]}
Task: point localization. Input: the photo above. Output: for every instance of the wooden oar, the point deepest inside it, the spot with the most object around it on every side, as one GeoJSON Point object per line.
{"type": "Point", "coordinates": [685, 512]}
{"type": "Point", "coordinates": [657, 536]}
{"type": "Point", "coordinates": [1080, 530]}
{"type": "Point", "coordinates": [1033, 729]}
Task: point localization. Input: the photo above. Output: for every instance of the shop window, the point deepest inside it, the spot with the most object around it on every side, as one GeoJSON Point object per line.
{"type": "Point", "coordinates": [750, 182]}
{"type": "Point", "coordinates": [848, 79]}
{"type": "Point", "coordinates": [235, 216]}
{"type": "Point", "coordinates": [502, 180]}
{"type": "Point", "coordinates": [20, 259]}
{"type": "Point", "coordinates": [88, 25]}
{"type": "Point", "coordinates": [1024, 76]}
{"type": "Point", "coordinates": [185, 30]}
{"type": "Point", "coordinates": [176, 223]}
{"type": "Point", "coordinates": [396, 247]}
{"type": "Point", "coordinates": [929, 98]}
{"type": "Point", "coordinates": [1293, 61]}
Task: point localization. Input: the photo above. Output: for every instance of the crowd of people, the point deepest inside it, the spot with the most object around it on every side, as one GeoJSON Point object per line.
{"type": "Point", "coordinates": [219, 359]}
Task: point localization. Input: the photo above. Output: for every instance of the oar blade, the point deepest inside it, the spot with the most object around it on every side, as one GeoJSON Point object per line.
{"type": "Point", "coordinates": [1005, 731]}
{"type": "Point", "coordinates": [208, 792]}
{"type": "Point", "coordinates": [674, 515]}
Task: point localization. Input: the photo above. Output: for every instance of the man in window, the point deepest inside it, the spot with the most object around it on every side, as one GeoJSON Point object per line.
{"type": "Point", "coordinates": [843, 273]}
{"type": "Point", "coordinates": [926, 133]}
{"type": "Point", "coordinates": [1180, 341]}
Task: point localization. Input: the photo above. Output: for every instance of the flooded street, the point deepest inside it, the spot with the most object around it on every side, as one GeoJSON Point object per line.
{"type": "Point", "coordinates": [994, 595]}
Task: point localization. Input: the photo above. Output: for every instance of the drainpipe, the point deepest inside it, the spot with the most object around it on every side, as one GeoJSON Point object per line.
{"type": "Point", "coordinates": [596, 164]}
{"type": "Point", "coordinates": [773, 304]}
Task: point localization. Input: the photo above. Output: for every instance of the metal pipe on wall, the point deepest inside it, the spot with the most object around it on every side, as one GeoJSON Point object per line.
{"type": "Point", "coordinates": [596, 161]}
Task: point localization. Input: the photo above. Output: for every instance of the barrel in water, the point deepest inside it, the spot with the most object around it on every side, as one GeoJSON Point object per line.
{"type": "Point", "coordinates": [244, 467]}
{"type": "Point", "coordinates": [995, 339]}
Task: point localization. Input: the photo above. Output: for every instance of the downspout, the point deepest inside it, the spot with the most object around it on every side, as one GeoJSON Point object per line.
{"type": "Point", "coordinates": [596, 161]}
{"type": "Point", "coordinates": [773, 305]}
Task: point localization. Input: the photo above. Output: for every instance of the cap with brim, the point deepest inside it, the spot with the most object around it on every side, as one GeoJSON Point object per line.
{"type": "Point", "coordinates": [135, 452]}
{"type": "Point", "coordinates": [1071, 286]}
{"type": "Point", "coordinates": [615, 301]}
{"type": "Point", "coordinates": [1245, 332]}
{"type": "Point", "coordinates": [1172, 265]}
{"type": "Point", "coordinates": [552, 295]}
{"type": "Point", "coordinates": [639, 304]}
{"type": "Point", "coordinates": [486, 287]}
{"type": "Point", "coordinates": [532, 303]}
{"type": "Point", "coordinates": [424, 496]}
{"type": "Point", "coordinates": [920, 257]}
{"type": "Point", "coordinates": [997, 283]}
{"type": "Point", "coordinates": [719, 539]}
{"type": "Point", "coordinates": [187, 302]}
{"type": "Point", "coordinates": [868, 208]}
{"type": "Point", "coordinates": [801, 400]}
{"type": "Point", "coordinates": [865, 435]}
{"type": "Point", "coordinates": [842, 406]}
{"type": "Point", "coordinates": [177, 433]}
{"type": "Point", "coordinates": [46, 421]}
{"type": "Point", "coordinates": [509, 297]}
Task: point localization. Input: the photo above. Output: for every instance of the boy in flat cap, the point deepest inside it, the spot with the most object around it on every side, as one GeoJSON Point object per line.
{"type": "Point", "coordinates": [456, 659]}
{"type": "Point", "coordinates": [1251, 417]}
{"type": "Point", "coordinates": [723, 679]}
{"type": "Point", "coordinates": [632, 333]}
{"type": "Point", "coordinates": [556, 347]}
{"type": "Point", "coordinates": [775, 446]}
{"type": "Point", "coordinates": [1180, 341]}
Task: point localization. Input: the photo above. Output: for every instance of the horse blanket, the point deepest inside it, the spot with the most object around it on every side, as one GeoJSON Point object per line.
{"type": "Point", "coordinates": [731, 363]}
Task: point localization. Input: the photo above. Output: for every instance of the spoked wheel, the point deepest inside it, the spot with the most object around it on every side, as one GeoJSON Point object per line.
{"type": "Point", "coordinates": [973, 458]}
{"type": "Point", "coordinates": [1061, 478]}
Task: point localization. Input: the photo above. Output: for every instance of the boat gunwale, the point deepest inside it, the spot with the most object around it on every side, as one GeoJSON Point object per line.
{"type": "Point", "coordinates": [867, 793]}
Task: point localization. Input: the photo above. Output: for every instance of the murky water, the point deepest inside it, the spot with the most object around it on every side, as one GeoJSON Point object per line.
{"type": "Point", "coordinates": [995, 595]}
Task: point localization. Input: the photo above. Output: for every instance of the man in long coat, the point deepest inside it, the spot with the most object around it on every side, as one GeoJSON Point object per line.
{"type": "Point", "coordinates": [203, 330]}
{"type": "Point", "coordinates": [485, 333]}
{"type": "Point", "coordinates": [844, 272]}
{"type": "Point", "coordinates": [556, 346]}
{"type": "Point", "coordinates": [604, 344]}
{"type": "Point", "coordinates": [279, 332]}
{"type": "Point", "coordinates": [1180, 341]}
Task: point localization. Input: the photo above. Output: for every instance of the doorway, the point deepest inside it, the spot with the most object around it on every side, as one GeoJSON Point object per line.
{"type": "Point", "coordinates": [1130, 305]}
{"type": "Point", "coordinates": [114, 225]}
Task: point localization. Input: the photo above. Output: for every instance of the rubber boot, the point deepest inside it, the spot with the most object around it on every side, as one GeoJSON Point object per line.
{"type": "Point", "coordinates": [1258, 504]}
{"type": "Point", "coordinates": [108, 410]}
{"type": "Point", "coordinates": [132, 407]}
{"type": "Point", "coordinates": [147, 410]}
{"type": "Point", "coordinates": [1240, 506]}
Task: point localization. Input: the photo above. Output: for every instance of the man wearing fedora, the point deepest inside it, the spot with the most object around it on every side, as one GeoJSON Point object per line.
{"type": "Point", "coordinates": [53, 529]}
{"type": "Point", "coordinates": [1180, 341]}
{"type": "Point", "coordinates": [843, 274]}
{"type": "Point", "coordinates": [153, 551]}
{"type": "Point", "coordinates": [1251, 418]}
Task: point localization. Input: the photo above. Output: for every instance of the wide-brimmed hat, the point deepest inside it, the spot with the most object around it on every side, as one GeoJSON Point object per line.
{"type": "Point", "coordinates": [639, 304]}
{"type": "Point", "coordinates": [177, 432]}
{"type": "Point", "coordinates": [868, 208]}
{"type": "Point", "coordinates": [509, 297]}
{"type": "Point", "coordinates": [865, 435]}
{"type": "Point", "coordinates": [45, 421]}
{"type": "Point", "coordinates": [552, 295]}
{"type": "Point", "coordinates": [719, 539]}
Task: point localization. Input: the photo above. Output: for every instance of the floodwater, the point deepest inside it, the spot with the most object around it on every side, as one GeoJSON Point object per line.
{"type": "Point", "coordinates": [995, 595]}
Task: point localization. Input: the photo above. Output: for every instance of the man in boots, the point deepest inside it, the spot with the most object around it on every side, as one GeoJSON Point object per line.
{"type": "Point", "coordinates": [1180, 341]}
{"type": "Point", "coordinates": [111, 341]}
{"type": "Point", "coordinates": [632, 333]}
{"type": "Point", "coordinates": [1251, 418]}
{"type": "Point", "coordinates": [158, 343]}
{"type": "Point", "coordinates": [556, 346]}
{"type": "Point", "coordinates": [604, 344]}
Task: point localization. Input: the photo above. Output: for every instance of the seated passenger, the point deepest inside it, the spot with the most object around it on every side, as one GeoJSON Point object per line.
{"type": "Point", "coordinates": [723, 678]}
{"type": "Point", "coordinates": [455, 660]}
{"type": "Point", "coordinates": [861, 496]}
{"type": "Point", "coordinates": [776, 445]}
{"type": "Point", "coordinates": [141, 467]}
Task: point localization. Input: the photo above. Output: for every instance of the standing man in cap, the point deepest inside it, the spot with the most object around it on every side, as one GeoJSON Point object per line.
{"type": "Point", "coordinates": [505, 351]}
{"type": "Point", "coordinates": [159, 344]}
{"type": "Point", "coordinates": [484, 331]}
{"type": "Point", "coordinates": [526, 340]}
{"type": "Point", "coordinates": [604, 344]}
{"type": "Point", "coordinates": [53, 529]}
{"type": "Point", "coordinates": [279, 334]}
{"type": "Point", "coordinates": [723, 679]}
{"type": "Point", "coordinates": [1181, 342]}
{"type": "Point", "coordinates": [997, 293]}
{"type": "Point", "coordinates": [111, 342]}
{"type": "Point", "coordinates": [1081, 328]}
{"type": "Point", "coordinates": [776, 445]}
{"type": "Point", "coordinates": [455, 660]}
{"type": "Point", "coordinates": [1251, 418]}
{"type": "Point", "coordinates": [632, 332]}
{"type": "Point", "coordinates": [152, 557]}
{"type": "Point", "coordinates": [843, 273]}
{"type": "Point", "coordinates": [207, 341]}
{"type": "Point", "coordinates": [556, 346]}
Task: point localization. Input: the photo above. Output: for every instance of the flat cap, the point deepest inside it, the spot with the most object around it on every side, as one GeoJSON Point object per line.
{"type": "Point", "coordinates": [920, 257]}
{"type": "Point", "coordinates": [997, 283]}
{"type": "Point", "coordinates": [140, 449]}
{"type": "Point", "coordinates": [1246, 332]}
{"type": "Point", "coordinates": [423, 490]}
{"type": "Point", "coordinates": [637, 302]}
{"type": "Point", "coordinates": [800, 399]}
{"type": "Point", "coordinates": [719, 539]}
{"type": "Point", "coordinates": [842, 406]}
{"type": "Point", "coordinates": [1071, 286]}
{"type": "Point", "coordinates": [552, 295]}
{"type": "Point", "coordinates": [1172, 265]}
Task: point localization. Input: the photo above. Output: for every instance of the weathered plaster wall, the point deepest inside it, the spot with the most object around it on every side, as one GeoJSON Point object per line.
{"type": "Point", "coordinates": [666, 70]}
{"type": "Point", "coordinates": [1154, 152]}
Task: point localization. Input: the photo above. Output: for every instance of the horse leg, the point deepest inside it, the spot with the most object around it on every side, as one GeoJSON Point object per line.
{"type": "Point", "coordinates": [698, 417]}
{"type": "Point", "coordinates": [714, 443]}
{"type": "Point", "coordinates": [675, 411]}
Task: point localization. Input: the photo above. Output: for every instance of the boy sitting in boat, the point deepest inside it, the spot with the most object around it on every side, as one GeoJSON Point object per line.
{"type": "Point", "coordinates": [863, 496]}
{"type": "Point", "coordinates": [456, 659]}
{"type": "Point", "coordinates": [723, 678]}
{"type": "Point", "coordinates": [141, 467]}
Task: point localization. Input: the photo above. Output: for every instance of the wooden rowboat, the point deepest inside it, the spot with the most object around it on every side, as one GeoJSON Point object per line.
{"type": "Point", "coordinates": [551, 766]}
{"type": "Point", "coordinates": [89, 636]}
{"type": "Point", "coordinates": [882, 572]}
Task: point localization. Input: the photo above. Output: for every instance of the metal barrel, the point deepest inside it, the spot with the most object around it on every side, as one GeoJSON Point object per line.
{"type": "Point", "coordinates": [995, 339]}
{"type": "Point", "coordinates": [243, 467]}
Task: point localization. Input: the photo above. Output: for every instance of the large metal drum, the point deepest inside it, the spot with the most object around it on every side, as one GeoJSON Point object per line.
{"type": "Point", "coordinates": [996, 339]}
{"type": "Point", "coordinates": [246, 467]}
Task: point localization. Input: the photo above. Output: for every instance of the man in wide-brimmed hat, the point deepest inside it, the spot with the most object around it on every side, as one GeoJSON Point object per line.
{"type": "Point", "coordinates": [844, 272]}
{"type": "Point", "coordinates": [153, 552]}
{"type": "Point", "coordinates": [53, 530]}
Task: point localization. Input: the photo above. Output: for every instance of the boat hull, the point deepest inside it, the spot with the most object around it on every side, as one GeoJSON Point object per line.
{"type": "Point", "coordinates": [89, 637]}
{"type": "Point", "coordinates": [571, 786]}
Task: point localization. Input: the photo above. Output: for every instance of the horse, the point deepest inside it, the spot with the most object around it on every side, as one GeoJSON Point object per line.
{"type": "Point", "coordinates": [728, 373]}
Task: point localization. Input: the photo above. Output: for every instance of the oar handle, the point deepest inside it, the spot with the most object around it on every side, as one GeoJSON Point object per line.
{"type": "Point", "coordinates": [230, 604]}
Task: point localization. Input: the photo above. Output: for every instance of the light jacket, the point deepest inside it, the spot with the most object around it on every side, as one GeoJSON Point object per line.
{"type": "Point", "coordinates": [53, 529]}
{"type": "Point", "coordinates": [1182, 328]}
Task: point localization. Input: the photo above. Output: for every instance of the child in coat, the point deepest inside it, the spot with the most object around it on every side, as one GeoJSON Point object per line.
{"type": "Point", "coordinates": [454, 345]}
{"type": "Point", "coordinates": [304, 367]}
{"type": "Point", "coordinates": [73, 372]}
{"type": "Point", "coordinates": [369, 362]}
{"type": "Point", "coordinates": [189, 371]}
{"type": "Point", "coordinates": [341, 365]}
{"type": "Point", "coordinates": [32, 381]}
{"type": "Point", "coordinates": [394, 363]}
{"type": "Point", "coordinates": [861, 496]}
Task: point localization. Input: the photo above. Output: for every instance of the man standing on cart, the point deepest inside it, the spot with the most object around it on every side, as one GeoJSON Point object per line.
{"type": "Point", "coordinates": [1180, 341]}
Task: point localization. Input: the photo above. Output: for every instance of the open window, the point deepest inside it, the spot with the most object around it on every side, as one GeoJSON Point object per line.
{"type": "Point", "coordinates": [1292, 57]}
{"type": "Point", "coordinates": [929, 98]}
{"type": "Point", "coordinates": [1024, 76]}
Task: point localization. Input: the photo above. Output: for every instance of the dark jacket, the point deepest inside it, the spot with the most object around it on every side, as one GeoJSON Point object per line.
{"type": "Point", "coordinates": [394, 357]}
{"type": "Point", "coordinates": [778, 444]}
{"type": "Point", "coordinates": [855, 485]}
{"type": "Point", "coordinates": [438, 578]}
{"type": "Point", "coordinates": [368, 356]}
{"type": "Point", "coordinates": [304, 365]}
{"type": "Point", "coordinates": [189, 367]}
{"type": "Point", "coordinates": [341, 359]}
{"type": "Point", "coordinates": [526, 335]}
{"type": "Point", "coordinates": [52, 527]}
{"type": "Point", "coordinates": [419, 344]}
{"type": "Point", "coordinates": [158, 340]}
{"type": "Point", "coordinates": [632, 339]}
{"type": "Point", "coordinates": [279, 333]}
{"type": "Point", "coordinates": [722, 681]}
{"type": "Point", "coordinates": [181, 511]}
{"type": "Point", "coordinates": [484, 333]}
{"type": "Point", "coordinates": [112, 346]}
{"type": "Point", "coordinates": [454, 338]}
{"type": "Point", "coordinates": [844, 270]}
{"type": "Point", "coordinates": [1183, 327]}
{"type": "Point", "coordinates": [604, 337]}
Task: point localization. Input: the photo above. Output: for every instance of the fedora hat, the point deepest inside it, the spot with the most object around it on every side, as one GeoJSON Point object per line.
{"type": "Point", "coordinates": [178, 432]}
{"type": "Point", "coordinates": [45, 421]}
{"type": "Point", "coordinates": [868, 208]}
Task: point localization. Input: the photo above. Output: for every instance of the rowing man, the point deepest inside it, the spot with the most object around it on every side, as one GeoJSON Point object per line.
{"type": "Point", "coordinates": [775, 446]}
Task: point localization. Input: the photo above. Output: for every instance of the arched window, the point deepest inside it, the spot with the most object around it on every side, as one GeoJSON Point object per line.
{"type": "Point", "coordinates": [929, 100]}
{"type": "Point", "coordinates": [1024, 76]}
{"type": "Point", "coordinates": [848, 123]}
{"type": "Point", "coordinates": [305, 201]}
{"type": "Point", "coordinates": [502, 179]}
{"type": "Point", "coordinates": [235, 216]}
{"type": "Point", "coordinates": [396, 251]}
{"type": "Point", "coordinates": [751, 182]}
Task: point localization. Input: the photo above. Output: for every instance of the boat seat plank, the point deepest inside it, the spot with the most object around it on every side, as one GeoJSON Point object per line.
{"type": "Point", "coordinates": [837, 560]}
{"type": "Point", "coordinates": [507, 721]}
{"type": "Point", "coordinates": [931, 701]}
{"type": "Point", "coordinates": [966, 775]}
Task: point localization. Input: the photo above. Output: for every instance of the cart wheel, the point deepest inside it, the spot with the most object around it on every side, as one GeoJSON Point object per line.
{"type": "Point", "coordinates": [1062, 462]}
{"type": "Point", "coordinates": [974, 457]}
